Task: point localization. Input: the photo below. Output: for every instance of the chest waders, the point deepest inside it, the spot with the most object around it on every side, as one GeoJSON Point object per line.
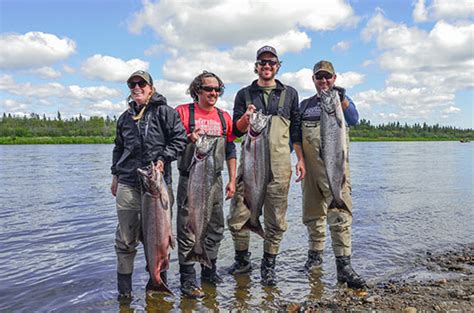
{"type": "Point", "coordinates": [215, 229]}
{"type": "Point", "coordinates": [317, 197]}
{"type": "Point", "coordinates": [276, 198]}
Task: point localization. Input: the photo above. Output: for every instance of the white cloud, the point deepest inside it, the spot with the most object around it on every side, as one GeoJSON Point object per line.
{"type": "Point", "coordinates": [46, 72]}
{"type": "Point", "coordinates": [341, 46]}
{"type": "Point", "coordinates": [301, 80]}
{"type": "Point", "coordinates": [181, 24]}
{"type": "Point", "coordinates": [420, 14]}
{"type": "Point", "coordinates": [108, 68]}
{"type": "Point", "coordinates": [69, 69]}
{"type": "Point", "coordinates": [10, 105]}
{"type": "Point", "coordinates": [33, 49]}
{"type": "Point", "coordinates": [451, 110]}
{"type": "Point", "coordinates": [349, 79]}
{"type": "Point", "coordinates": [42, 92]}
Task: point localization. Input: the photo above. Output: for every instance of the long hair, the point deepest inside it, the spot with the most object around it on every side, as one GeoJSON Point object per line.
{"type": "Point", "coordinates": [196, 85]}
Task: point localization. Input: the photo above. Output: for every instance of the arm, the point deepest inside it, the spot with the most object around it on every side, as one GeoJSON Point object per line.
{"type": "Point", "coordinates": [295, 118]}
{"type": "Point", "coordinates": [176, 135]}
{"type": "Point", "coordinates": [116, 154]}
{"type": "Point", "coordinates": [350, 112]}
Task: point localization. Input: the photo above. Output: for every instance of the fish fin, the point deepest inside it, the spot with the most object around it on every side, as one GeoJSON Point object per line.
{"type": "Point", "coordinates": [201, 258]}
{"type": "Point", "coordinates": [258, 229]}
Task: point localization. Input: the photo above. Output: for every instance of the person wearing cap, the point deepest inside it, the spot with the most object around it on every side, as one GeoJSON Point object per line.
{"type": "Point", "coordinates": [202, 117]}
{"type": "Point", "coordinates": [272, 97]}
{"type": "Point", "coordinates": [317, 196]}
{"type": "Point", "coordinates": [148, 131]}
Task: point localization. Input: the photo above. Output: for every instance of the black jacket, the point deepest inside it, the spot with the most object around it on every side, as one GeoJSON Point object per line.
{"type": "Point", "coordinates": [158, 135]}
{"type": "Point", "coordinates": [289, 111]}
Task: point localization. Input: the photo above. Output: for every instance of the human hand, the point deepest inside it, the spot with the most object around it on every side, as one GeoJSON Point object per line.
{"type": "Point", "coordinates": [114, 185]}
{"type": "Point", "coordinates": [160, 166]}
{"type": "Point", "coordinates": [244, 121]}
{"type": "Point", "coordinates": [193, 137]}
{"type": "Point", "coordinates": [300, 170]}
{"type": "Point", "coordinates": [230, 190]}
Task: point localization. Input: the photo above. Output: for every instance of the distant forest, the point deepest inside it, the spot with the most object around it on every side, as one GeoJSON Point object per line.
{"type": "Point", "coordinates": [98, 127]}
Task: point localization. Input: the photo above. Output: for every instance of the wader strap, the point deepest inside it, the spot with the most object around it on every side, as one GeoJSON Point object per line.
{"type": "Point", "coordinates": [192, 123]}
{"type": "Point", "coordinates": [281, 103]}
{"type": "Point", "coordinates": [224, 124]}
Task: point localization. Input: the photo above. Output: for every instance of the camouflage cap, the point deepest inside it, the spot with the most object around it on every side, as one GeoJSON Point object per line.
{"type": "Point", "coordinates": [145, 75]}
{"type": "Point", "coordinates": [269, 49]}
{"type": "Point", "coordinates": [325, 66]}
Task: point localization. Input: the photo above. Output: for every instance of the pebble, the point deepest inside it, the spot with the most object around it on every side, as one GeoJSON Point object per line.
{"type": "Point", "coordinates": [409, 309]}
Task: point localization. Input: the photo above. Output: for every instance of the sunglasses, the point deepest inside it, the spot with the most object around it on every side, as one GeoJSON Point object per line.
{"type": "Point", "coordinates": [210, 89]}
{"type": "Point", "coordinates": [264, 62]}
{"type": "Point", "coordinates": [140, 83]}
{"type": "Point", "coordinates": [321, 75]}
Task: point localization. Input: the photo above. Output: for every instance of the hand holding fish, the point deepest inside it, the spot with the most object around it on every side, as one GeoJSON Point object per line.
{"type": "Point", "coordinates": [193, 137]}
{"type": "Point", "coordinates": [244, 122]}
{"type": "Point", "coordinates": [160, 166]}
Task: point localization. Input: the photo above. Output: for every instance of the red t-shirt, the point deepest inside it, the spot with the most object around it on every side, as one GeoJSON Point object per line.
{"type": "Point", "coordinates": [207, 121]}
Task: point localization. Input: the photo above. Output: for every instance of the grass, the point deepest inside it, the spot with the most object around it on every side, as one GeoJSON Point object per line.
{"type": "Point", "coordinates": [54, 140]}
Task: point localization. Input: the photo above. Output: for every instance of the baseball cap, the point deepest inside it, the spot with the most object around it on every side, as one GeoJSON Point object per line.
{"type": "Point", "coordinates": [269, 49]}
{"type": "Point", "coordinates": [145, 75]}
{"type": "Point", "coordinates": [325, 66]}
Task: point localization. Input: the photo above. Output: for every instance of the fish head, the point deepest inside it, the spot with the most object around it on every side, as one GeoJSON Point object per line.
{"type": "Point", "coordinates": [204, 146]}
{"type": "Point", "coordinates": [329, 100]}
{"type": "Point", "coordinates": [258, 122]}
{"type": "Point", "coordinates": [151, 178]}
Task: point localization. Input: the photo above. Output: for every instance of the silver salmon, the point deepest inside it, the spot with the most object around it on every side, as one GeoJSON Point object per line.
{"type": "Point", "coordinates": [256, 169]}
{"type": "Point", "coordinates": [201, 179]}
{"type": "Point", "coordinates": [156, 224]}
{"type": "Point", "coordinates": [334, 144]}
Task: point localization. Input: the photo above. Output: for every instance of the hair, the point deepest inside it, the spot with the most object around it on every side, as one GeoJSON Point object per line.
{"type": "Point", "coordinates": [196, 85]}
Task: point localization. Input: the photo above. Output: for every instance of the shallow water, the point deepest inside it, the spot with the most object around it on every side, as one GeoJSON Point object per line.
{"type": "Point", "coordinates": [57, 224]}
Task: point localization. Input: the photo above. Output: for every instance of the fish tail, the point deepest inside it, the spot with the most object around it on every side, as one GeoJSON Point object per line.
{"type": "Point", "coordinates": [199, 257]}
{"type": "Point", "coordinates": [258, 229]}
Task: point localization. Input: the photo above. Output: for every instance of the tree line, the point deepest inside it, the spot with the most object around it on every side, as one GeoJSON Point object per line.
{"type": "Point", "coordinates": [42, 126]}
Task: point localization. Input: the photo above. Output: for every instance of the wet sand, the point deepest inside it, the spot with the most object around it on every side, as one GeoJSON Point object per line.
{"type": "Point", "coordinates": [452, 293]}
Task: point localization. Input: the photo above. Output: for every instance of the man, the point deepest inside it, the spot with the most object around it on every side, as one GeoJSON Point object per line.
{"type": "Point", "coordinates": [149, 131]}
{"type": "Point", "coordinates": [270, 96]}
{"type": "Point", "coordinates": [317, 196]}
{"type": "Point", "coordinates": [203, 117]}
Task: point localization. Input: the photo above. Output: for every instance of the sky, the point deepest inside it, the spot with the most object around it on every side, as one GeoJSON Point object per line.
{"type": "Point", "coordinates": [410, 61]}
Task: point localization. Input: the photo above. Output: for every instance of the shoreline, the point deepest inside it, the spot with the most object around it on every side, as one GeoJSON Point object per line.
{"type": "Point", "coordinates": [453, 292]}
{"type": "Point", "coordinates": [110, 140]}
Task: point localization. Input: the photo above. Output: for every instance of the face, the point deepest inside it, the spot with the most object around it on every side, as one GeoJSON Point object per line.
{"type": "Point", "coordinates": [267, 66]}
{"type": "Point", "coordinates": [139, 94]}
{"type": "Point", "coordinates": [324, 80]}
{"type": "Point", "coordinates": [209, 93]}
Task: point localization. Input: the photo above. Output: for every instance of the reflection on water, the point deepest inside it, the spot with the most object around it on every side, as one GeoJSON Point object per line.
{"type": "Point", "coordinates": [57, 222]}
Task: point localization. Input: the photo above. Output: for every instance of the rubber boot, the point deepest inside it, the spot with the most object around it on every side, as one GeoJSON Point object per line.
{"type": "Point", "coordinates": [189, 286]}
{"type": "Point", "coordinates": [346, 274]}
{"type": "Point", "coordinates": [209, 275]}
{"type": "Point", "coordinates": [315, 260]}
{"type": "Point", "coordinates": [124, 287]}
{"type": "Point", "coordinates": [242, 263]}
{"type": "Point", "coordinates": [267, 269]}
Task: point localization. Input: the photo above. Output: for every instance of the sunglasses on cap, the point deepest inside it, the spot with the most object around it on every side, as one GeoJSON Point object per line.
{"type": "Point", "coordinates": [264, 62]}
{"type": "Point", "coordinates": [321, 75]}
{"type": "Point", "coordinates": [210, 89]}
{"type": "Point", "coordinates": [140, 83]}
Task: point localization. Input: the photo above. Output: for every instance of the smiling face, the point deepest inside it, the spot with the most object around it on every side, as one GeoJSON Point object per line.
{"type": "Point", "coordinates": [139, 90]}
{"type": "Point", "coordinates": [267, 66]}
{"type": "Point", "coordinates": [209, 93]}
{"type": "Point", "coordinates": [324, 80]}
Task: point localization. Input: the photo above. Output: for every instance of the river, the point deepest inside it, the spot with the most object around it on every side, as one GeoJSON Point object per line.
{"type": "Point", "coordinates": [57, 224]}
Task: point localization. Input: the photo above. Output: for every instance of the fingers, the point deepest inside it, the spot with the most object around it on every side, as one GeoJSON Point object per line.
{"type": "Point", "coordinates": [160, 166]}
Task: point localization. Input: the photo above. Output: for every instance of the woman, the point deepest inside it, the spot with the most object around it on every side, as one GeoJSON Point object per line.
{"type": "Point", "coordinates": [148, 131]}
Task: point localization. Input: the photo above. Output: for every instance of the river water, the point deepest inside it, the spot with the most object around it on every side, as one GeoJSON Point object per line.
{"type": "Point", "coordinates": [57, 224]}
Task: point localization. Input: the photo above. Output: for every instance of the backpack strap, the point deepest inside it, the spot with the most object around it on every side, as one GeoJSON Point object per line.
{"type": "Point", "coordinates": [281, 103]}
{"type": "Point", "coordinates": [248, 99]}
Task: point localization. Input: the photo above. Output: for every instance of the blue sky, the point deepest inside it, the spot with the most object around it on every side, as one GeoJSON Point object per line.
{"type": "Point", "coordinates": [400, 60]}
